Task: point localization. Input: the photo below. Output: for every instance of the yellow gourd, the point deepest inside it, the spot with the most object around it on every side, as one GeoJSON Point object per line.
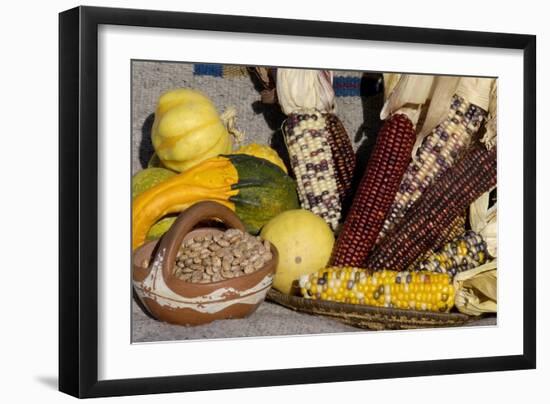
{"type": "Point", "coordinates": [255, 189]}
{"type": "Point", "coordinates": [304, 242]}
{"type": "Point", "coordinates": [188, 130]}
{"type": "Point", "coordinates": [264, 152]}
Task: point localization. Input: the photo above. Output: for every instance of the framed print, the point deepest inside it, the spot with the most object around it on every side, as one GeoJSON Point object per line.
{"type": "Point", "coordinates": [260, 191]}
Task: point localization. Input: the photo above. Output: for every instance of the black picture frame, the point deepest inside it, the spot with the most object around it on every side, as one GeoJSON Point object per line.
{"type": "Point", "coordinates": [78, 203]}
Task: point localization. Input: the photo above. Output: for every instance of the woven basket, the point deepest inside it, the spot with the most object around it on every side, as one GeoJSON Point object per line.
{"type": "Point", "coordinates": [369, 317]}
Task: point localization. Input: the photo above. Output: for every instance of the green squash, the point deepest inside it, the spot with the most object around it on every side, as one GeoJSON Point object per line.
{"type": "Point", "coordinates": [254, 188]}
{"type": "Point", "coordinates": [265, 190]}
{"type": "Point", "coordinates": [148, 178]}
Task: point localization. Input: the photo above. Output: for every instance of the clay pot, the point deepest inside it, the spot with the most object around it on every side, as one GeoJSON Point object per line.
{"type": "Point", "coordinates": [173, 300]}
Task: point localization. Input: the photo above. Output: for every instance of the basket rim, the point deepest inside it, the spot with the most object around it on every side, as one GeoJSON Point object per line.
{"type": "Point", "coordinates": [347, 309]}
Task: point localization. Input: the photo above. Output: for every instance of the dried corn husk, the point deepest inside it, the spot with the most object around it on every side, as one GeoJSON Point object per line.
{"type": "Point", "coordinates": [474, 90]}
{"type": "Point", "coordinates": [408, 96]}
{"type": "Point", "coordinates": [476, 290]}
{"type": "Point", "coordinates": [263, 73]}
{"type": "Point", "coordinates": [490, 136]}
{"type": "Point", "coordinates": [229, 119]}
{"type": "Point", "coordinates": [478, 212]}
{"type": "Point", "coordinates": [299, 89]}
{"type": "Point", "coordinates": [266, 77]}
{"type": "Point", "coordinates": [483, 220]}
{"type": "Point", "coordinates": [390, 81]}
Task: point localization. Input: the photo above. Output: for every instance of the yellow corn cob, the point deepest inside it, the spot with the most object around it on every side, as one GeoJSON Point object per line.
{"type": "Point", "coordinates": [404, 290]}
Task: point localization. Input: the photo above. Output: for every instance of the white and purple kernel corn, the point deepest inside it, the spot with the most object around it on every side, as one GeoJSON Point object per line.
{"type": "Point", "coordinates": [438, 152]}
{"type": "Point", "coordinates": [311, 159]}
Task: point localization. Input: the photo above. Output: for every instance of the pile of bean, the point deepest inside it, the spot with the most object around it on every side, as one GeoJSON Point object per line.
{"type": "Point", "coordinates": [212, 258]}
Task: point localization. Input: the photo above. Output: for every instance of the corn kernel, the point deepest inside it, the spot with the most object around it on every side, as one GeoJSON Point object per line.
{"type": "Point", "coordinates": [420, 291]}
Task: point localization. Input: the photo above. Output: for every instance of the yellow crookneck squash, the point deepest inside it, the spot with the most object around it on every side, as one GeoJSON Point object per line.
{"type": "Point", "coordinates": [188, 130]}
{"type": "Point", "coordinates": [254, 188]}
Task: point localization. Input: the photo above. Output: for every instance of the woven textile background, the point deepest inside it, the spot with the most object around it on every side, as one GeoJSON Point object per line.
{"type": "Point", "coordinates": [358, 101]}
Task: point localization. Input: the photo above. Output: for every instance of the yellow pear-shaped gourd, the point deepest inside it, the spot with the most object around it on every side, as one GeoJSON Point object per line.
{"type": "Point", "coordinates": [188, 130]}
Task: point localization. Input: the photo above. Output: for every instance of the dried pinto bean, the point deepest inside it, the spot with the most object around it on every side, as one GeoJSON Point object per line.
{"type": "Point", "coordinates": [213, 258]}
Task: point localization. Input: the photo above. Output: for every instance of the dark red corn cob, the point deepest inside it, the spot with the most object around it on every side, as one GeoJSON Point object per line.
{"type": "Point", "coordinates": [456, 229]}
{"type": "Point", "coordinates": [376, 192]}
{"type": "Point", "coordinates": [435, 211]}
{"type": "Point", "coordinates": [343, 155]}
{"type": "Point", "coordinates": [439, 151]}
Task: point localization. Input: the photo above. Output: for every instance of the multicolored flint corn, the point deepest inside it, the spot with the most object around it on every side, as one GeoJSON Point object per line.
{"type": "Point", "coordinates": [376, 192]}
{"type": "Point", "coordinates": [343, 155]}
{"type": "Point", "coordinates": [439, 151]}
{"type": "Point", "coordinates": [465, 252]}
{"type": "Point", "coordinates": [404, 290]}
{"type": "Point", "coordinates": [455, 230]}
{"type": "Point", "coordinates": [307, 140]}
{"type": "Point", "coordinates": [435, 211]}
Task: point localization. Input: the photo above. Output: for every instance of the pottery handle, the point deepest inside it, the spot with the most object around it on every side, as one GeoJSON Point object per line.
{"type": "Point", "coordinates": [171, 241]}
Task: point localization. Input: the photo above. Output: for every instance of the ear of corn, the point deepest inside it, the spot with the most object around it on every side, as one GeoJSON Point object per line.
{"type": "Point", "coordinates": [455, 230]}
{"type": "Point", "coordinates": [465, 252]}
{"type": "Point", "coordinates": [311, 158]}
{"type": "Point", "coordinates": [438, 152]}
{"type": "Point", "coordinates": [403, 290]}
{"type": "Point", "coordinates": [343, 156]}
{"type": "Point", "coordinates": [376, 192]}
{"type": "Point", "coordinates": [435, 211]}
